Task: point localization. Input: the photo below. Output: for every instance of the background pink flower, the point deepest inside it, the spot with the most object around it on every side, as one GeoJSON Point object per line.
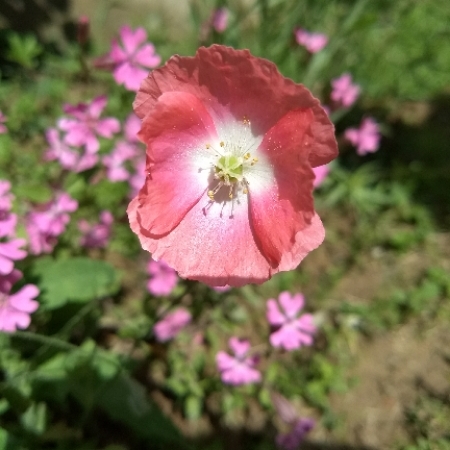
{"type": "Point", "coordinates": [167, 328]}
{"type": "Point", "coordinates": [163, 278]}
{"type": "Point", "coordinates": [366, 138]}
{"type": "Point", "coordinates": [132, 127]}
{"type": "Point", "coordinates": [115, 161]}
{"type": "Point", "coordinates": [49, 221]}
{"type": "Point", "coordinates": [313, 42]}
{"type": "Point", "coordinates": [292, 330]}
{"type": "Point", "coordinates": [15, 309]}
{"type": "Point", "coordinates": [220, 19]}
{"type": "Point", "coordinates": [85, 125]}
{"type": "Point", "coordinates": [320, 173]}
{"type": "Point", "coordinates": [3, 128]}
{"type": "Point", "coordinates": [132, 57]}
{"type": "Point", "coordinates": [240, 368]}
{"type": "Point", "coordinates": [96, 235]}
{"type": "Point", "coordinates": [344, 91]}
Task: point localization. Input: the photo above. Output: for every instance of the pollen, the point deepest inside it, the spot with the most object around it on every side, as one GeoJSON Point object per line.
{"type": "Point", "coordinates": [222, 144]}
{"type": "Point", "coordinates": [247, 156]}
{"type": "Point", "coordinates": [208, 146]}
{"type": "Point", "coordinates": [245, 120]}
{"type": "Point", "coordinates": [211, 195]}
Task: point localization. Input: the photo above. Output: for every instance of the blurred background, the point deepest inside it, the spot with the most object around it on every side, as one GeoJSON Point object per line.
{"type": "Point", "coordinates": [109, 350]}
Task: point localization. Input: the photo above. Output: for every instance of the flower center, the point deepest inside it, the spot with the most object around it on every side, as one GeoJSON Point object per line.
{"type": "Point", "coordinates": [234, 161]}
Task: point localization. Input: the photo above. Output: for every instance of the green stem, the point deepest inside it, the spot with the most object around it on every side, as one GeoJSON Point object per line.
{"type": "Point", "coordinates": [41, 339]}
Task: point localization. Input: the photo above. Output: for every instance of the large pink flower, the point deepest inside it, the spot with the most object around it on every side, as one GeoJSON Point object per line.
{"type": "Point", "coordinates": [230, 150]}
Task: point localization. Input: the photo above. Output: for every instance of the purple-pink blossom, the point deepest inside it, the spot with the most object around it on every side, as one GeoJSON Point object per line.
{"type": "Point", "coordinates": [344, 90]}
{"type": "Point", "coordinates": [293, 439]}
{"type": "Point", "coordinates": [132, 127]}
{"type": "Point", "coordinates": [137, 179]}
{"type": "Point", "coordinates": [49, 221]}
{"type": "Point", "coordinates": [292, 330]}
{"type": "Point", "coordinates": [172, 323]}
{"type": "Point", "coordinates": [115, 161]}
{"type": "Point", "coordinates": [366, 138]}
{"type": "Point", "coordinates": [85, 124]}
{"type": "Point", "coordinates": [320, 173]}
{"type": "Point", "coordinates": [15, 309]}
{"type": "Point", "coordinates": [96, 235]}
{"type": "Point", "coordinates": [10, 251]}
{"type": "Point", "coordinates": [132, 58]}
{"type": "Point", "coordinates": [8, 220]}
{"type": "Point", "coordinates": [219, 19]}
{"type": "Point", "coordinates": [298, 426]}
{"type": "Point", "coordinates": [313, 42]}
{"type": "Point", "coordinates": [240, 368]}
{"type": "Point", "coordinates": [163, 278]}
{"type": "Point", "coordinates": [3, 128]}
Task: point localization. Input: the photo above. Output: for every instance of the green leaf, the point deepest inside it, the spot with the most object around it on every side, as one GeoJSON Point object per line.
{"type": "Point", "coordinates": [34, 419]}
{"type": "Point", "coordinates": [7, 441]}
{"type": "Point", "coordinates": [125, 400]}
{"type": "Point", "coordinates": [74, 280]}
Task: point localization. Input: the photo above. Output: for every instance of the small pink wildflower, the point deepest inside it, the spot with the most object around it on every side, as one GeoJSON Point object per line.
{"type": "Point", "coordinates": [344, 91]}
{"type": "Point", "coordinates": [240, 368]}
{"type": "Point", "coordinates": [8, 220]}
{"type": "Point", "coordinates": [59, 150]}
{"type": "Point", "coordinates": [299, 426]}
{"type": "Point", "coordinates": [221, 289]}
{"type": "Point", "coordinates": [3, 128]}
{"type": "Point", "coordinates": [366, 139]}
{"type": "Point", "coordinates": [45, 224]}
{"type": "Point", "coordinates": [84, 126]}
{"type": "Point", "coordinates": [219, 19]}
{"type": "Point", "coordinates": [15, 309]}
{"type": "Point", "coordinates": [114, 162]}
{"type": "Point", "coordinates": [168, 327]}
{"type": "Point", "coordinates": [293, 330]}
{"type": "Point", "coordinates": [163, 278]}
{"type": "Point", "coordinates": [320, 172]}
{"type": "Point", "coordinates": [10, 251]}
{"type": "Point", "coordinates": [97, 235]}
{"type": "Point", "coordinates": [293, 439]}
{"type": "Point", "coordinates": [132, 127]}
{"type": "Point", "coordinates": [133, 59]}
{"type": "Point", "coordinates": [313, 42]}
{"type": "Point", "coordinates": [137, 179]}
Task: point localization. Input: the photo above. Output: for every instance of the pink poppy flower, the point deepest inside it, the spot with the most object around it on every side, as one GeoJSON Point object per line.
{"type": "Point", "coordinates": [219, 19]}
{"type": "Point", "coordinates": [344, 91]}
{"type": "Point", "coordinates": [240, 368]}
{"type": "Point", "coordinates": [320, 173]}
{"type": "Point", "coordinates": [230, 150]}
{"type": "Point", "coordinates": [366, 139]}
{"type": "Point", "coordinates": [299, 426]}
{"type": "Point", "coordinates": [167, 328]}
{"type": "Point", "coordinates": [3, 128]}
{"type": "Point", "coordinates": [163, 278]}
{"type": "Point", "coordinates": [85, 125]}
{"type": "Point", "coordinates": [133, 59]}
{"type": "Point", "coordinates": [313, 42]}
{"type": "Point", "coordinates": [292, 330]}
{"type": "Point", "coordinates": [96, 235]}
{"type": "Point", "coordinates": [15, 309]}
